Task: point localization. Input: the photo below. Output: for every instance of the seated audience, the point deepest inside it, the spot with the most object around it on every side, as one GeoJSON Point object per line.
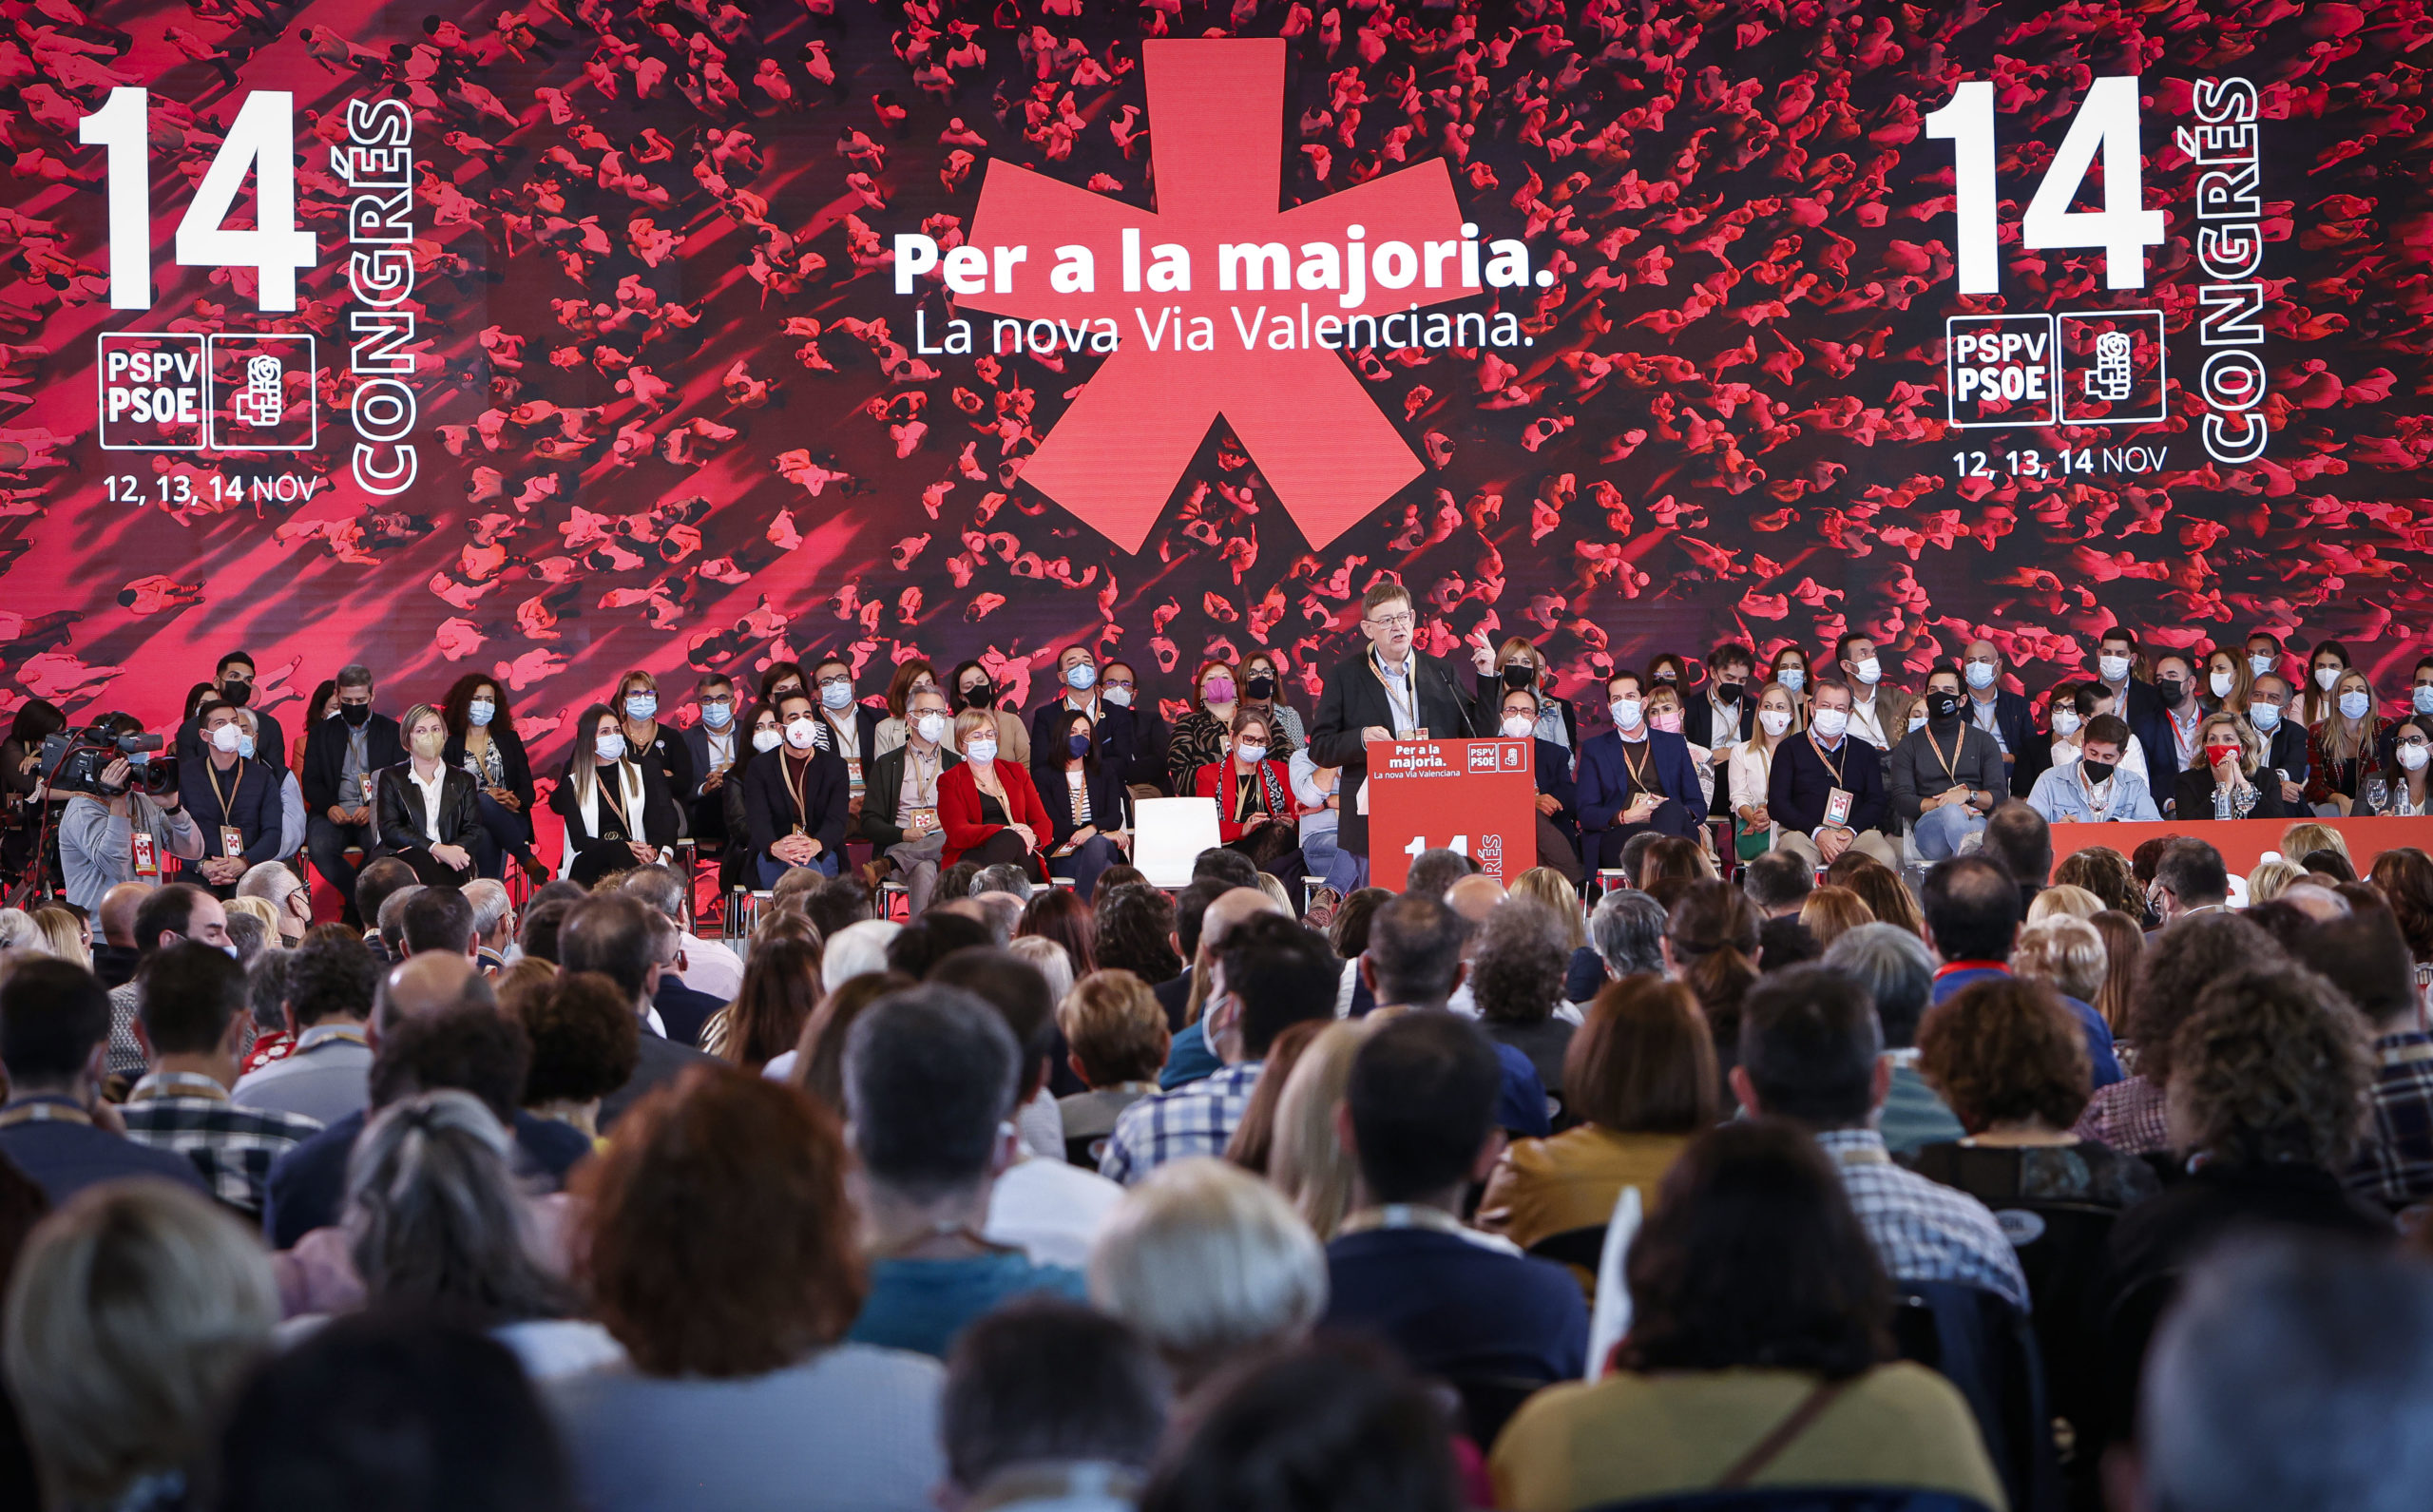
{"type": "Point", "coordinates": [719, 1249]}
{"type": "Point", "coordinates": [1711, 948]}
{"type": "Point", "coordinates": [2173, 972]}
{"type": "Point", "coordinates": [1946, 775]}
{"type": "Point", "coordinates": [1050, 1404]}
{"type": "Point", "coordinates": [54, 1027]}
{"type": "Point", "coordinates": [2365, 956]}
{"type": "Point", "coordinates": [2096, 787]}
{"type": "Point", "coordinates": [1515, 983]}
{"type": "Point", "coordinates": [1972, 910]}
{"type": "Point", "coordinates": [1830, 912]}
{"type": "Point", "coordinates": [1894, 967]}
{"type": "Point", "coordinates": [1756, 1301]}
{"type": "Point", "coordinates": [1307, 1161]}
{"type": "Point", "coordinates": [1211, 1266]}
{"type": "Point", "coordinates": [780, 988]}
{"type": "Point", "coordinates": [2223, 783]}
{"type": "Point", "coordinates": [633, 944]}
{"type": "Point", "coordinates": [931, 1076]}
{"type": "Point", "coordinates": [585, 1043]}
{"type": "Point", "coordinates": [1810, 1052]}
{"type": "Point", "coordinates": [1809, 768]}
{"type": "Point", "coordinates": [331, 985]}
{"type": "Point", "coordinates": [1116, 1040]}
{"type": "Point", "coordinates": [1420, 1114]}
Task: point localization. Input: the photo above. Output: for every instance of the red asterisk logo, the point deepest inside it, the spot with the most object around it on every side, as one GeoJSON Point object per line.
{"type": "Point", "coordinates": [1216, 110]}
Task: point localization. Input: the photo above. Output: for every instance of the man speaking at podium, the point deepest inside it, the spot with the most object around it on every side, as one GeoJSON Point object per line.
{"type": "Point", "coordinates": [1390, 692]}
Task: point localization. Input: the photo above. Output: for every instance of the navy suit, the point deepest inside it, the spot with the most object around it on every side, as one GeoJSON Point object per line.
{"type": "Point", "coordinates": [2030, 751]}
{"type": "Point", "coordinates": [2286, 748]}
{"type": "Point", "coordinates": [1699, 723]}
{"type": "Point", "coordinates": [252, 807]}
{"type": "Point", "coordinates": [1801, 783]}
{"type": "Point", "coordinates": [1605, 791]}
{"type": "Point", "coordinates": [307, 1187]}
{"type": "Point", "coordinates": [2150, 723]}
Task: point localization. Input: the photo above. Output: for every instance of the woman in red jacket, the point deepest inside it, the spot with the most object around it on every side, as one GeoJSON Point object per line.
{"type": "Point", "coordinates": [1255, 812]}
{"type": "Point", "coordinates": [987, 809]}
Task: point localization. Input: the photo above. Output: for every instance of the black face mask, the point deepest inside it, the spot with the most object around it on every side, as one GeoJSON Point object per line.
{"type": "Point", "coordinates": [1259, 689]}
{"type": "Point", "coordinates": [236, 693]}
{"type": "Point", "coordinates": [980, 696]}
{"type": "Point", "coordinates": [1941, 706]}
{"type": "Point", "coordinates": [2173, 691]}
{"type": "Point", "coordinates": [1519, 677]}
{"type": "Point", "coordinates": [357, 714]}
{"type": "Point", "coordinates": [1078, 744]}
{"type": "Point", "coordinates": [1727, 692]}
{"type": "Point", "coordinates": [2098, 773]}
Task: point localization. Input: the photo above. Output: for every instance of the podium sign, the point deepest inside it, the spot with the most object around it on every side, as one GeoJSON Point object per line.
{"type": "Point", "coordinates": [1479, 798]}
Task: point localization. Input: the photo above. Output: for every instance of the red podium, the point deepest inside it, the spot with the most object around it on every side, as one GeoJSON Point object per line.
{"type": "Point", "coordinates": [1479, 798]}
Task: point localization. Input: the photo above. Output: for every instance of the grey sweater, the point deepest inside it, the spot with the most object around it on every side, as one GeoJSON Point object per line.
{"type": "Point", "coordinates": [1914, 770]}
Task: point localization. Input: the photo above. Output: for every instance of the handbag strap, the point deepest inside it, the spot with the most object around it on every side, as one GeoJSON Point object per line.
{"type": "Point", "coordinates": [1785, 1433]}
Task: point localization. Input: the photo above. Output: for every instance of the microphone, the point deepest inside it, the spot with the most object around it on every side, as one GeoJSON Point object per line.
{"type": "Point", "coordinates": [1469, 724]}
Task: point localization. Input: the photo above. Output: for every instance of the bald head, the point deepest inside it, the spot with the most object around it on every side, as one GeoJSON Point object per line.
{"type": "Point", "coordinates": [2318, 902]}
{"type": "Point", "coordinates": [1474, 897]}
{"type": "Point", "coordinates": [117, 913]}
{"type": "Point", "coordinates": [1228, 912]}
{"type": "Point", "coordinates": [424, 983]}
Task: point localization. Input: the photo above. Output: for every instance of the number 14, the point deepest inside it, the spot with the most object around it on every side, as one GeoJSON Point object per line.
{"type": "Point", "coordinates": [2106, 122]}
{"type": "Point", "coordinates": [263, 140]}
{"type": "Point", "coordinates": [1459, 844]}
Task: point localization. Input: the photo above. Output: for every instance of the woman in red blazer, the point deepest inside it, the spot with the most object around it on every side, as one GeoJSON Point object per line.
{"type": "Point", "coordinates": [1255, 812]}
{"type": "Point", "coordinates": [986, 808]}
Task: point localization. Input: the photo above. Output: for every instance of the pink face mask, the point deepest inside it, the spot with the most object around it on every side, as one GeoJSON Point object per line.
{"type": "Point", "coordinates": [1668, 721]}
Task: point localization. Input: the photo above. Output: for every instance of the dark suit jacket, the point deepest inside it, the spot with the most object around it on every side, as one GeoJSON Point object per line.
{"type": "Point", "coordinates": [683, 1009]}
{"type": "Point", "coordinates": [1354, 699]}
{"type": "Point", "coordinates": [1697, 718]}
{"type": "Point", "coordinates": [512, 761]}
{"type": "Point", "coordinates": [1604, 778]}
{"type": "Point", "coordinates": [1116, 736]}
{"type": "Point", "coordinates": [663, 1060]}
{"type": "Point", "coordinates": [696, 748]}
{"type": "Point", "coordinates": [1150, 737]}
{"type": "Point", "coordinates": [253, 804]}
{"type": "Point", "coordinates": [2286, 750]}
{"type": "Point", "coordinates": [2031, 750]}
{"type": "Point", "coordinates": [769, 805]}
{"type": "Point", "coordinates": [1175, 997]}
{"type": "Point", "coordinates": [1802, 782]}
{"type": "Point", "coordinates": [657, 819]}
{"type": "Point", "coordinates": [1556, 781]}
{"type": "Point", "coordinates": [325, 758]}
{"type": "Point", "coordinates": [883, 781]}
{"type": "Point", "coordinates": [673, 758]}
{"type": "Point", "coordinates": [1110, 801]}
{"type": "Point", "coordinates": [399, 811]}
{"type": "Point", "coordinates": [2150, 723]}
{"type": "Point", "coordinates": [307, 1188]}
{"type": "Point", "coordinates": [270, 745]}
{"type": "Point", "coordinates": [64, 1158]}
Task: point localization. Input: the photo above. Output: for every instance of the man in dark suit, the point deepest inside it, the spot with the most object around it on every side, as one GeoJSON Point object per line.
{"type": "Point", "coordinates": [633, 944]}
{"type": "Point", "coordinates": [1634, 778]}
{"type": "Point", "coordinates": [1723, 714]}
{"type": "Point", "coordinates": [1389, 691]}
{"type": "Point", "coordinates": [852, 726]}
{"type": "Point", "coordinates": [2133, 698]}
{"type": "Point", "coordinates": [796, 796]}
{"type": "Point", "coordinates": [1077, 683]}
{"type": "Point", "coordinates": [224, 791]}
{"type": "Point", "coordinates": [2176, 710]}
{"type": "Point", "coordinates": [2004, 716]}
{"type": "Point", "coordinates": [338, 777]}
{"type": "Point", "coordinates": [235, 677]}
{"type": "Point", "coordinates": [715, 742]}
{"type": "Point", "coordinates": [1120, 686]}
{"type": "Point", "coordinates": [900, 819]}
{"type": "Point", "coordinates": [1810, 766]}
{"type": "Point", "coordinates": [2284, 739]}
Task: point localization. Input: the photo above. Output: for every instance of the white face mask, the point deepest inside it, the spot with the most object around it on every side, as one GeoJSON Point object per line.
{"type": "Point", "coordinates": [1627, 713]}
{"type": "Point", "coordinates": [2259, 665]}
{"type": "Point", "coordinates": [2326, 677]}
{"type": "Point", "coordinates": [802, 733]}
{"type": "Point", "coordinates": [1773, 721]}
{"type": "Point", "coordinates": [2114, 669]}
{"type": "Point", "coordinates": [2065, 722]}
{"type": "Point", "coordinates": [2412, 756]}
{"type": "Point", "coordinates": [1981, 675]}
{"type": "Point", "coordinates": [1251, 755]}
{"type": "Point", "coordinates": [767, 739]}
{"type": "Point", "coordinates": [226, 739]}
{"type": "Point", "coordinates": [1869, 671]}
{"type": "Point", "coordinates": [1793, 677]}
{"type": "Point", "coordinates": [609, 748]}
{"type": "Point", "coordinates": [479, 710]}
{"type": "Point", "coordinates": [2221, 682]}
{"type": "Point", "coordinates": [1518, 726]}
{"type": "Point", "coordinates": [1120, 697]}
{"type": "Point", "coordinates": [932, 726]}
{"type": "Point", "coordinates": [2353, 704]}
{"type": "Point", "coordinates": [1832, 723]}
{"type": "Point", "coordinates": [980, 752]}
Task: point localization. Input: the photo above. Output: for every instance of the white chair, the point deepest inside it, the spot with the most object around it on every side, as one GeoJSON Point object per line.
{"type": "Point", "coordinates": [1169, 835]}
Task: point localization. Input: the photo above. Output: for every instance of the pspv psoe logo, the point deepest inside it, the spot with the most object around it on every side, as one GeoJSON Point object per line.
{"type": "Point", "coordinates": [1998, 370]}
{"type": "Point", "coordinates": [2111, 366]}
{"type": "Point", "coordinates": [182, 391]}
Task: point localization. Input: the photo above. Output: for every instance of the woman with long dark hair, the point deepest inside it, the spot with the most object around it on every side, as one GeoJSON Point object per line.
{"type": "Point", "coordinates": [618, 810]}
{"type": "Point", "coordinates": [482, 740]}
{"type": "Point", "coordinates": [1086, 805]}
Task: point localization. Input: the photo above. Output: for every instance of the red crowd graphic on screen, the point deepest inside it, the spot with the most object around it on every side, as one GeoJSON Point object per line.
{"type": "Point", "coordinates": [1217, 115]}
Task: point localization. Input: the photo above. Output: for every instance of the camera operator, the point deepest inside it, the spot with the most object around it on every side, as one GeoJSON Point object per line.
{"type": "Point", "coordinates": [234, 798]}
{"type": "Point", "coordinates": [97, 831]}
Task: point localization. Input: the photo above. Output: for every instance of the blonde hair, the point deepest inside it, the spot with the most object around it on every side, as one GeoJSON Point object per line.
{"type": "Point", "coordinates": [61, 937]}
{"type": "Point", "coordinates": [135, 1310]}
{"type": "Point", "coordinates": [1208, 1261]}
{"type": "Point", "coordinates": [2066, 953]}
{"type": "Point", "coordinates": [406, 725]}
{"type": "Point", "coordinates": [18, 931]}
{"type": "Point", "coordinates": [2270, 879]}
{"type": "Point", "coordinates": [1050, 958]}
{"type": "Point", "coordinates": [2250, 748]}
{"type": "Point", "coordinates": [969, 719]}
{"type": "Point", "coordinates": [1549, 887]}
{"type": "Point", "coordinates": [1114, 1026]}
{"type": "Point", "coordinates": [1308, 1162]}
{"type": "Point", "coordinates": [255, 908]}
{"type": "Point", "coordinates": [2067, 901]}
{"type": "Point", "coordinates": [2307, 837]}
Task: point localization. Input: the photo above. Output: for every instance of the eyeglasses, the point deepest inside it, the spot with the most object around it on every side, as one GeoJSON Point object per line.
{"type": "Point", "coordinates": [1393, 621]}
{"type": "Point", "coordinates": [836, 682]}
{"type": "Point", "coordinates": [722, 700]}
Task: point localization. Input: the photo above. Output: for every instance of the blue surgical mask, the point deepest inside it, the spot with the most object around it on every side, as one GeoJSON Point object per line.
{"type": "Point", "coordinates": [1793, 677]}
{"type": "Point", "coordinates": [2353, 704]}
{"type": "Point", "coordinates": [2423, 698]}
{"type": "Point", "coordinates": [609, 748]}
{"type": "Point", "coordinates": [1078, 744]}
{"type": "Point", "coordinates": [245, 745]}
{"type": "Point", "coordinates": [2264, 716]}
{"type": "Point", "coordinates": [1981, 675]}
{"type": "Point", "coordinates": [641, 705]}
{"type": "Point", "coordinates": [836, 697]}
{"type": "Point", "coordinates": [1081, 678]}
{"type": "Point", "coordinates": [718, 715]}
{"type": "Point", "coordinates": [479, 710]}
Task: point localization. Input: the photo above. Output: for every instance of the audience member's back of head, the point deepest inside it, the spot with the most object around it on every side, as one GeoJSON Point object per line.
{"type": "Point", "coordinates": [1517, 967]}
{"type": "Point", "coordinates": [1972, 909]}
{"type": "Point", "coordinates": [53, 1013]}
{"type": "Point", "coordinates": [930, 939]}
{"type": "Point", "coordinates": [1014, 988]}
{"type": "Point", "coordinates": [1044, 1381]}
{"type": "Point", "coordinates": [1713, 931]}
{"type": "Point", "coordinates": [836, 904]}
{"type": "Point", "coordinates": [930, 1073]}
{"type": "Point", "coordinates": [1433, 873]}
{"type": "Point", "coordinates": [332, 976]}
{"type": "Point", "coordinates": [538, 935]}
{"type": "Point", "coordinates": [2271, 1069]}
{"type": "Point", "coordinates": [437, 919]}
{"type": "Point", "coordinates": [656, 887]}
{"type": "Point", "coordinates": [1643, 1060]}
{"type": "Point", "coordinates": [2020, 842]}
{"type": "Point", "coordinates": [1415, 951]}
{"type": "Point", "coordinates": [385, 1412]}
{"type": "Point", "coordinates": [1753, 1258]}
{"type": "Point", "coordinates": [1785, 942]}
{"type": "Point", "coordinates": [1898, 973]}
{"type": "Point", "coordinates": [1134, 923]}
{"type": "Point", "coordinates": [471, 1049]}
{"type": "Point", "coordinates": [434, 1219]}
{"type": "Point", "coordinates": [1327, 1428]}
{"type": "Point", "coordinates": [1809, 1044]}
{"type": "Point", "coordinates": [611, 933]}
{"type": "Point", "coordinates": [1777, 880]}
{"type": "Point", "coordinates": [2174, 971]}
{"type": "Point", "coordinates": [1232, 868]}
{"type": "Point", "coordinates": [186, 996]}
{"type": "Point", "coordinates": [380, 880]}
{"type": "Point", "coordinates": [2365, 956]}
{"type": "Point", "coordinates": [1281, 974]}
{"type": "Point", "coordinates": [1423, 1101]}
{"type": "Point", "coordinates": [1627, 930]}
{"type": "Point", "coordinates": [2192, 871]}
